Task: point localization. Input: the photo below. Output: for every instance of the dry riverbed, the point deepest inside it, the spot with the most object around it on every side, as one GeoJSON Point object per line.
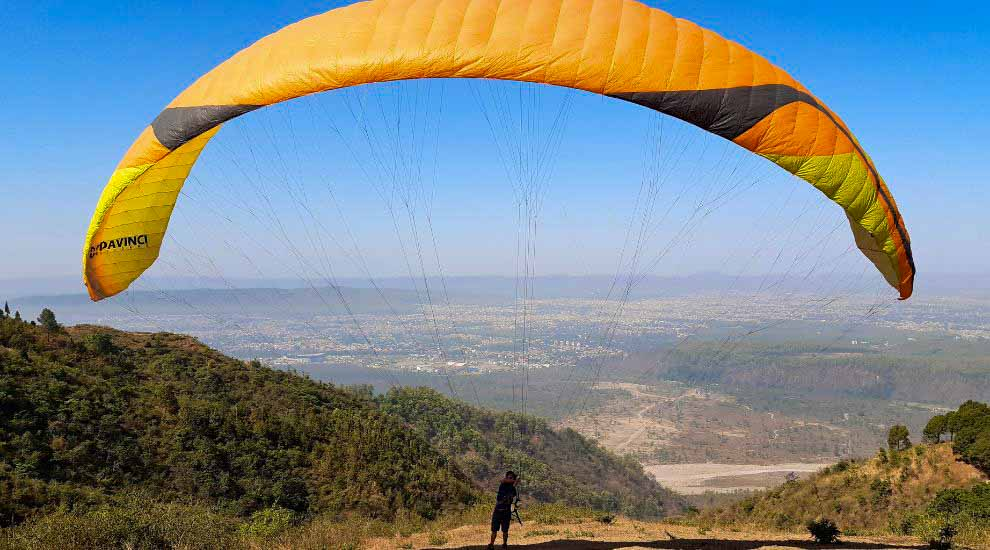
{"type": "Point", "coordinates": [695, 479]}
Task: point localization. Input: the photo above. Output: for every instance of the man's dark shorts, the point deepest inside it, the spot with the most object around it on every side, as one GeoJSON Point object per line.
{"type": "Point", "coordinates": [501, 520]}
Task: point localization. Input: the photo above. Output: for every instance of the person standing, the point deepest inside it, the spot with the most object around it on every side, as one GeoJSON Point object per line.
{"type": "Point", "coordinates": [502, 515]}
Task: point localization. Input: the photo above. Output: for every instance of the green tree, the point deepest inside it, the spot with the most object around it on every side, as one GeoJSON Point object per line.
{"type": "Point", "coordinates": [898, 438]}
{"type": "Point", "coordinates": [934, 429]}
{"type": "Point", "coordinates": [971, 438]}
{"type": "Point", "coordinates": [952, 423]}
{"type": "Point", "coordinates": [881, 489]}
{"type": "Point", "coordinates": [48, 321]}
{"type": "Point", "coordinates": [17, 315]}
{"type": "Point", "coordinates": [101, 343]}
{"type": "Point", "coordinates": [973, 502]}
{"type": "Point", "coordinates": [6, 308]}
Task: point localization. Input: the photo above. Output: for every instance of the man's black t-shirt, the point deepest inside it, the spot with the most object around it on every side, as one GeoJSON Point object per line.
{"type": "Point", "coordinates": [506, 494]}
{"type": "Point", "coordinates": [502, 515]}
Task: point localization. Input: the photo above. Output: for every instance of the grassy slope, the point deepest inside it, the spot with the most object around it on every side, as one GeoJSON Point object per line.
{"type": "Point", "coordinates": [879, 495]}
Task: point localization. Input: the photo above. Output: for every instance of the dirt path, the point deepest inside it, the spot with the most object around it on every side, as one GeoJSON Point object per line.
{"type": "Point", "coordinates": [629, 427]}
{"type": "Point", "coordinates": [627, 534]}
{"type": "Point", "coordinates": [640, 415]}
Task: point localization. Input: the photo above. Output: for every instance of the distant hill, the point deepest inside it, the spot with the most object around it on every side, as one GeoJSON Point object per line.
{"type": "Point", "coordinates": [89, 415]}
{"type": "Point", "coordinates": [795, 367]}
{"type": "Point", "coordinates": [269, 302]}
{"type": "Point", "coordinates": [975, 285]}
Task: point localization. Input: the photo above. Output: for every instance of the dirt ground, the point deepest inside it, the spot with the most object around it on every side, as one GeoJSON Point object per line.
{"type": "Point", "coordinates": [625, 534]}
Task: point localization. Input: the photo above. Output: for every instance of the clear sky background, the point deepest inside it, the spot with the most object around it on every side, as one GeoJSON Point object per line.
{"type": "Point", "coordinates": [81, 79]}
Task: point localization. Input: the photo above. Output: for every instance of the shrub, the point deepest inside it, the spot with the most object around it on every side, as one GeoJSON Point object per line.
{"type": "Point", "coordinates": [268, 523]}
{"type": "Point", "coordinates": [945, 535]}
{"type": "Point", "coordinates": [748, 505]}
{"type": "Point", "coordinates": [882, 456]}
{"type": "Point", "coordinates": [841, 466]}
{"type": "Point", "coordinates": [881, 489]}
{"type": "Point", "coordinates": [935, 529]}
{"type": "Point", "coordinates": [824, 531]}
{"type": "Point", "coordinates": [783, 521]}
{"type": "Point", "coordinates": [438, 538]}
{"type": "Point", "coordinates": [134, 522]}
{"type": "Point", "coordinates": [906, 526]}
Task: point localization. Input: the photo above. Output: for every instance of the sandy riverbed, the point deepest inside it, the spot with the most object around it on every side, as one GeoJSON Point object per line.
{"type": "Point", "coordinates": [694, 479]}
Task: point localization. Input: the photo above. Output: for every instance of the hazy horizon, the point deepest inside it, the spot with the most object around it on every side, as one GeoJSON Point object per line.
{"type": "Point", "coordinates": [941, 285]}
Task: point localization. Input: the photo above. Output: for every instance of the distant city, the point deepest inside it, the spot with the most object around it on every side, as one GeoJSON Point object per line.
{"type": "Point", "coordinates": [286, 328]}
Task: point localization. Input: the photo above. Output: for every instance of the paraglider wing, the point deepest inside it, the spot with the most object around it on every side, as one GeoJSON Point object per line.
{"type": "Point", "coordinates": [619, 48]}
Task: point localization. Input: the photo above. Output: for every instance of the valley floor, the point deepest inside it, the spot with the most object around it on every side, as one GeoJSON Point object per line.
{"type": "Point", "coordinates": [626, 534]}
{"type": "Point", "coordinates": [672, 423]}
{"type": "Point", "coordinates": [696, 479]}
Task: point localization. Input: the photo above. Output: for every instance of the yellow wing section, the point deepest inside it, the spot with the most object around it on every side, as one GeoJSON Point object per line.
{"type": "Point", "coordinates": [619, 48]}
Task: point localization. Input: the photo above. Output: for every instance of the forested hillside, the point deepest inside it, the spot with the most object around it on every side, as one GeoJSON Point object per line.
{"type": "Point", "coordinates": [91, 417]}
{"type": "Point", "coordinates": [555, 465]}
{"type": "Point", "coordinates": [88, 412]}
{"type": "Point", "coordinates": [934, 375]}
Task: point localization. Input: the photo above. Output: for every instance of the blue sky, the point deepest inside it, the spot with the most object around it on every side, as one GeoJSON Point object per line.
{"type": "Point", "coordinates": [82, 78]}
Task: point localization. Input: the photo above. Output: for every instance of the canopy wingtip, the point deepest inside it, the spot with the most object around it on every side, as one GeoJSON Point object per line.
{"type": "Point", "coordinates": [906, 288]}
